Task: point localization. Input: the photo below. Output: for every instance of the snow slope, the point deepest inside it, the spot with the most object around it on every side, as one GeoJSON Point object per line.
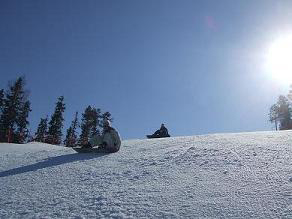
{"type": "Point", "coordinates": [245, 175]}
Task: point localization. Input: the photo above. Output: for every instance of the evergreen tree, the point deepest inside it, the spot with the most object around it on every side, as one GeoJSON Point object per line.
{"type": "Point", "coordinates": [68, 139]}
{"type": "Point", "coordinates": [95, 119]}
{"type": "Point", "coordinates": [281, 113]}
{"type": "Point", "coordinates": [71, 136]}
{"type": "Point", "coordinates": [56, 123]}
{"type": "Point", "coordinates": [1, 100]}
{"type": "Point", "coordinates": [1, 107]}
{"type": "Point", "coordinates": [284, 113]}
{"type": "Point", "coordinates": [86, 125]}
{"type": "Point", "coordinates": [91, 122]}
{"type": "Point", "coordinates": [290, 93]}
{"type": "Point", "coordinates": [22, 122]}
{"type": "Point", "coordinates": [105, 116]}
{"type": "Point", "coordinates": [41, 132]}
{"type": "Point", "coordinates": [15, 111]}
{"type": "Point", "coordinates": [273, 115]}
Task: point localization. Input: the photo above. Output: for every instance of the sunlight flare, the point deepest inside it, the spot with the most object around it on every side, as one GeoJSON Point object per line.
{"type": "Point", "coordinates": [279, 59]}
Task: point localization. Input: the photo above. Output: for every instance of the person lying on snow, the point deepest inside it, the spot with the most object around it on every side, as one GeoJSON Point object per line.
{"type": "Point", "coordinates": [110, 139]}
{"type": "Point", "coordinates": [160, 133]}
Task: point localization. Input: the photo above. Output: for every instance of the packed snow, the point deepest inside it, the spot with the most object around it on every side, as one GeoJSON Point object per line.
{"type": "Point", "coordinates": [244, 175]}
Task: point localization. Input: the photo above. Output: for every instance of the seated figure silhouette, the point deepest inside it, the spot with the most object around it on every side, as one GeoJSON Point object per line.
{"type": "Point", "coordinates": [160, 133]}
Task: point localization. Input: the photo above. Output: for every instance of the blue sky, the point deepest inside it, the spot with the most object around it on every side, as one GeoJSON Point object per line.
{"type": "Point", "coordinates": [196, 66]}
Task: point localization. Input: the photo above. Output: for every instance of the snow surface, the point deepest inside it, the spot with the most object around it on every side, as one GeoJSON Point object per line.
{"type": "Point", "coordinates": [245, 175]}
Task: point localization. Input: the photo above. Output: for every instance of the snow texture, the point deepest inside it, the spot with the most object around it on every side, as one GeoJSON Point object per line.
{"type": "Point", "coordinates": [245, 175]}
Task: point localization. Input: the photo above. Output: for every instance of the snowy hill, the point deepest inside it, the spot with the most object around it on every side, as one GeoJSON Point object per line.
{"type": "Point", "coordinates": [246, 175]}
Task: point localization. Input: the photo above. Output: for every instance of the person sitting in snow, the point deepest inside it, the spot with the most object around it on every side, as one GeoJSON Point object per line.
{"type": "Point", "coordinates": [160, 133]}
{"type": "Point", "coordinates": [110, 139]}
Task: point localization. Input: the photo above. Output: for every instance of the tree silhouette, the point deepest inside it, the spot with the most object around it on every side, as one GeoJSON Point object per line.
{"type": "Point", "coordinates": [56, 123]}
{"type": "Point", "coordinates": [41, 132]}
{"type": "Point", "coordinates": [71, 136]}
{"type": "Point", "coordinates": [15, 108]}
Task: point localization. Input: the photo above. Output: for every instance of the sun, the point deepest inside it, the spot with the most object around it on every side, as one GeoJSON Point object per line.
{"type": "Point", "coordinates": [279, 59]}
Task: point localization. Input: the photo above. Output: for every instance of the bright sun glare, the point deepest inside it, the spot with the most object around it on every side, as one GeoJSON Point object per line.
{"type": "Point", "coordinates": [279, 59]}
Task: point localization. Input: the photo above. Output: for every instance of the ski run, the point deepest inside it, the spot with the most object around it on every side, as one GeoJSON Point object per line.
{"type": "Point", "coordinates": [241, 175]}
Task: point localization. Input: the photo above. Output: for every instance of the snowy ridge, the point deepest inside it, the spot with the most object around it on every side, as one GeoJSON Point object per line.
{"type": "Point", "coordinates": [244, 175]}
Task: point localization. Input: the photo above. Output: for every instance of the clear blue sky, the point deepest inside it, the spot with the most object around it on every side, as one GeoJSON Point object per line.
{"type": "Point", "coordinates": [196, 66]}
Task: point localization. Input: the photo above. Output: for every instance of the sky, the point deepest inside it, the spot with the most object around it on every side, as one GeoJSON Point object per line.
{"type": "Point", "coordinates": [199, 67]}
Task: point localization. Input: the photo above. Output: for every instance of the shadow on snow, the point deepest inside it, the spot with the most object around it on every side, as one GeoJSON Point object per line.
{"type": "Point", "coordinates": [51, 162]}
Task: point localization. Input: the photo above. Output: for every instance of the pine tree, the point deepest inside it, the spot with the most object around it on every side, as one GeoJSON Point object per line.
{"type": "Point", "coordinates": [86, 125]}
{"type": "Point", "coordinates": [1, 100]}
{"type": "Point", "coordinates": [281, 113]}
{"type": "Point", "coordinates": [105, 116]}
{"type": "Point", "coordinates": [290, 93]}
{"type": "Point", "coordinates": [41, 132]}
{"type": "Point", "coordinates": [56, 123]}
{"type": "Point", "coordinates": [15, 111]}
{"type": "Point", "coordinates": [1, 112]}
{"type": "Point", "coordinates": [284, 113]}
{"type": "Point", "coordinates": [22, 122]}
{"type": "Point", "coordinates": [91, 122]}
{"type": "Point", "coordinates": [68, 142]}
{"type": "Point", "coordinates": [95, 119]}
{"type": "Point", "coordinates": [71, 136]}
{"type": "Point", "coordinates": [273, 115]}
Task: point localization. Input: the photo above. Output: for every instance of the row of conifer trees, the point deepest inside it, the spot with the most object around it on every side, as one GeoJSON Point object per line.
{"type": "Point", "coordinates": [14, 111]}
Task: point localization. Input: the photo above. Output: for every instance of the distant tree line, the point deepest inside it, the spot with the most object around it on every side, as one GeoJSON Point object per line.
{"type": "Point", "coordinates": [15, 109]}
{"type": "Point", "coordinates": [280, 112]}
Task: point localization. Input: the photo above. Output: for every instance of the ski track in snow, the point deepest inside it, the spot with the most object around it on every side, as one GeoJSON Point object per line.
{"type": "Point", "coordinates": [244, 175]}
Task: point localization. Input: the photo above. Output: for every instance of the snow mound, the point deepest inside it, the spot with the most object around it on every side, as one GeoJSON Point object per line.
{"type": "Point", "coordinates": [245, 175]}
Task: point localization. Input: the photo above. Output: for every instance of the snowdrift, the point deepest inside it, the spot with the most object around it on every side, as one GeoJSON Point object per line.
{"type": "Point", "coordinates": [245, 175]}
